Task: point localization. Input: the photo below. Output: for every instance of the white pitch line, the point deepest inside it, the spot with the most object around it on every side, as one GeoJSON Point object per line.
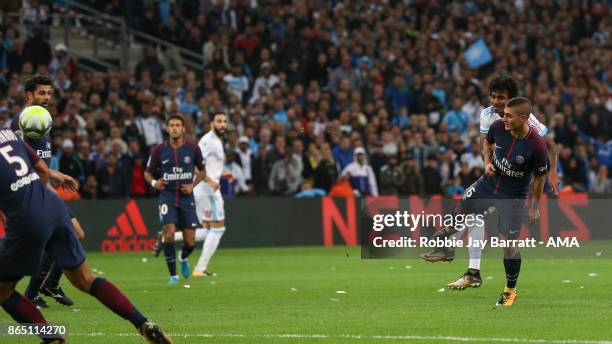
{"type": "Point", "coordinates": [349, 336]}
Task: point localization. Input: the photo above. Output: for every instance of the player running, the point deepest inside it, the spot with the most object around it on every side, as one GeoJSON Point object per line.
{"type": "Point", "coordinates": [175, 162]}
{"type": "Point", "coordinates": [36, 222]}
{"type": "Point", "coordinates": [501, 88]}
{"type": "Point", "coordinates": [209, 203]}
{"type": "Point", "coordinates": [39, 91]}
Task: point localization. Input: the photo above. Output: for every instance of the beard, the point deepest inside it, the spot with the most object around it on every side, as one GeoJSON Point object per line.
{"type": "Point", "coordinates": [219, 132]}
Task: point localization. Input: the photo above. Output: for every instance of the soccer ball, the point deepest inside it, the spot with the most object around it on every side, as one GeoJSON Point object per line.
{"type": "Point", "coordinates": [35, 122]}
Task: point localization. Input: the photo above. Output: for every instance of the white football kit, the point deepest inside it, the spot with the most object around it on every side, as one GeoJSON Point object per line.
{"type": "Point", "coordinates": [209, 203]}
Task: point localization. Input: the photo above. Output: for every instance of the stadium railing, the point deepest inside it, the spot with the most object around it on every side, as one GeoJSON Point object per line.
{"type": "Point", "coordinates": [172, 54]}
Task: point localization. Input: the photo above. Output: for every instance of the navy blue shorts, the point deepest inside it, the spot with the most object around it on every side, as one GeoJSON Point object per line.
{"type": "Point", "coordinates": [22, 250]}
{"type": "Point", "coordinates": [183, 216]}
{"type": "Point", "coordinates": [510, 212]}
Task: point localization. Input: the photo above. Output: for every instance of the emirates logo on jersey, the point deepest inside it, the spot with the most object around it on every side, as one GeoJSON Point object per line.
{"type": "Point", "coordinates": [520, 159]}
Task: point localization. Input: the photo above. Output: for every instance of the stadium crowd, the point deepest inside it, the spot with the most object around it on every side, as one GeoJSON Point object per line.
{"type": "Point", "coordinates": [311, 87]}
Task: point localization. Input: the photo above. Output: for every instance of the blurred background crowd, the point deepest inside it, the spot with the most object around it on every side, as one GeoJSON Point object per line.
{"type": "Point", "coordinates": [311, 86]}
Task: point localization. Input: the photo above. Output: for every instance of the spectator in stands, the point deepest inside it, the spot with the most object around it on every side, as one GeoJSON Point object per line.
{"type": "Point", "coordinates": [247, 42]}
{"type": "Point", "coordinates": [413, 183]}
{"type": "Point", "coordinates": [327, 171]}
{"type": "Point", "coordinates": [311, 161]}
{"type": "Point", "coordinates": [343, 153]}
{"type": "Point", "coordinates": [32, 13]}
{"type": "Point", "coordinates": [278, 151]}
{"type": "Point", "coordinates": [151, 64]}
{"type": "Point", "coordinates": [62, 61]}
{"type": "Point", "coordinates": [386, 90]}
{"type": "Point", "coordinates": [455, 188]}
{"type": "Point", "coordinates": [573, 170]}
{"type": "Point", "coordinates": [5, 122]}
{"type": "Point", "coordinates": [360, 175]}
{"type": "Point", "coordinates": [378, 158]}
{"type": "Point", "coordinates": [391, 177]}
{"type": "Point", "coordinates": [237, 82]}
{"type": "Point", "coordinates": [150, 127]}
{"type": "Point", "coordinates": [599, 181]}
{"type": "Point", "coordinates": [264, 83]}
{"type": "Point", "coordinates": [138, 185]}
{"type": "Point", "coordinates": [344, 72]}
{"type": "Point", "coordinates": [308, 191]}
{"type": "Point", "coordinates": [431, 176]}
{"type": "Point", "coordinates": [245, 156]}
{"type": "Point", "coordinates": [89, 190]}
{"type": "Point", "coordinates": [111, 179]}
{"type": "Point", "coordinates": [398, 95]}
{"type": "Point", "coordinates": [286, 176]}
{"type": "Point", "coordinates": [456, 119]}
{"type": "Point", "coordinates": [36, 50]}
{"type": "Point", "coordinates": [69, 163]}
{"type": "Point", "coordinates": [237, 184]}
{"type": "Point", "coordinates": [261, 171]}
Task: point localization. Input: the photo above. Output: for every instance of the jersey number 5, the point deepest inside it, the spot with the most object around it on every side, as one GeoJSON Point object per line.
{"type": "Point", "coordinates": [23, 167]}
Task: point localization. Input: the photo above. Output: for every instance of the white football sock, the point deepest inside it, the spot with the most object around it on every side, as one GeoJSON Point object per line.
{"type": "Point", "coordinates": [475, 232]}
{"type": "Point", "coordinates": [210, 246]}
{"type": "Point", "coordinates": [200, 235]}
{"type": "Point", "coordinates": [457, 236]}
{"type": "Point", "coordinates": [178, 236]}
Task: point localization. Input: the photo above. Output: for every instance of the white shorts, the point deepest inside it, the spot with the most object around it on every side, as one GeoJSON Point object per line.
{"type": "Point", "coordinates": [209, 205]}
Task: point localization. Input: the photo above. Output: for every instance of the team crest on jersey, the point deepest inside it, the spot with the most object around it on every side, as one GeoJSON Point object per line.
{"type": "Point", "coordinates": [520, 159]}
{"type": "Point", "coordinates": [187, 160]}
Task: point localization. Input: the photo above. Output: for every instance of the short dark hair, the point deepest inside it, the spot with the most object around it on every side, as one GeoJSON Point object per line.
{"type": "Point", "coordinates": [214, 114]}
{"type": "Point", "coordinates": [179, 117]}
{"type": "Point", "coordinates": [521, 102]}
{"type": "Point", "coordinates": [31, 83]}
{"type": "Point", "coordinates": [501, 83]}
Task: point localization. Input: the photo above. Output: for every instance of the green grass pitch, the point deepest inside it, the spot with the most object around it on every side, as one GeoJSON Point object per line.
{"type": "Point", "coordinates": [290, 295]}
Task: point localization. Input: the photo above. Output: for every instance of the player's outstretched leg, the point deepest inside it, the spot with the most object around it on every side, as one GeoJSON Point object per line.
{"type": "Point", "coordinates": [111, 297]}
{"type": "Point", "coordinates": [188, 245]}
{"type": "Point", "coordinates": [21, 309]}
